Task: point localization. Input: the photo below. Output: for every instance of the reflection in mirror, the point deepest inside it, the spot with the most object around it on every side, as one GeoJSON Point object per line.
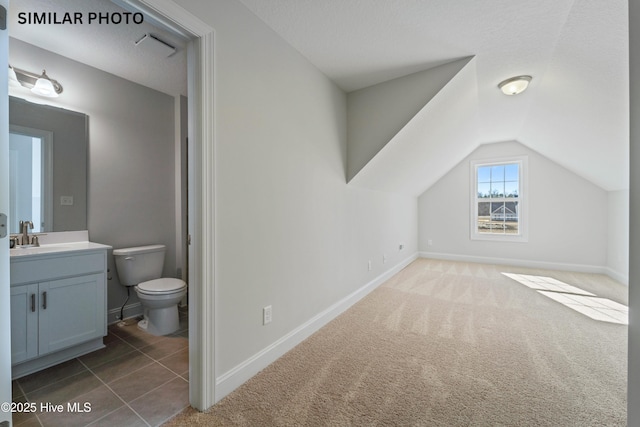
{"type": "Point", "coordinates": [30, 178]}
{"type": "Point", "coordinates": [49, 190]}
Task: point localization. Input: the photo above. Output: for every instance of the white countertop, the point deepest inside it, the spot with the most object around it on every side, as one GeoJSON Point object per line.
{"type": "Point", "coordinates": [55, 243]}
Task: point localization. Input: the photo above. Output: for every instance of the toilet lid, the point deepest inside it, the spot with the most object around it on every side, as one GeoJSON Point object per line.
{"type": "Point", "coordinates": [161, 285]}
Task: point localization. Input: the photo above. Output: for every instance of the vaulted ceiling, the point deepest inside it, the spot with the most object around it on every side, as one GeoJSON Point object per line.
{"type": "Point", "coordinates": [575, 111]}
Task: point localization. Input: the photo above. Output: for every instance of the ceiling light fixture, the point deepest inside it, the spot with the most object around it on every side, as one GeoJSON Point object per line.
{"type": "Point", "coordinates": [514, 85]}
{"type": "Point", "coordinates": [40, 84]}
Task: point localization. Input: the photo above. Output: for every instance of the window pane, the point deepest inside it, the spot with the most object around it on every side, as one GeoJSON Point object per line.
{"type": "Point", "coordinates": [511, 189]}
{"type": "Point", "coordinates": [484, 189]}
{"type": "Point", "coordinates": [511, 172]}
{"type": "Point", "coordinates": [497, 217]}
{"type": "Point", "coordinates": [497, 189]}
{"type": "Point", "coordinates": [484, 174]}
{"type": "Point", "coordinates": [497, 173]}
{"type": "Point", "coordinates": [511, 218]}
{"type": "Point", "coordinates": [484, 214]}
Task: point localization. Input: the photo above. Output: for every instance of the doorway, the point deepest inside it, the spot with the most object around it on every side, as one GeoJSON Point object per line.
{"type": "Point", "coordinates": [201, 193]}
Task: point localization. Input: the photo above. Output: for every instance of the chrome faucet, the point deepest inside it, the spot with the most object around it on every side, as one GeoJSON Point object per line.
{"type": "Point", "coordinates": [24, 228]}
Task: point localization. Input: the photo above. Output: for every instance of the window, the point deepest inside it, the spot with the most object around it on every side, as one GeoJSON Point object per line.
{"type": "Point", "coordinates": [498, 199]}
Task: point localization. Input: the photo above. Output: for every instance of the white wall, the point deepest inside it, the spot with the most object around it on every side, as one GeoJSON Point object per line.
{"type": "Point", "coordinates": [567, 216]}
{"type": "Point", "coordinates": [131, 164]}
{"type": "Point", "coordinates": [618, 236]}
{"type": "Point", "coordinates": [289, 231]}
{"type": "Point", "coordinates": [633, 394]}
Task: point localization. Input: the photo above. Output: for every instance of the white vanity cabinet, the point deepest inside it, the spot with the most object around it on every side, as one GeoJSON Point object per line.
{"type": "Point", "coordinates": [58, 306]}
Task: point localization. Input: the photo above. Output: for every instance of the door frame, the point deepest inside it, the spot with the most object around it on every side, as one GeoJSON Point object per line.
{"type": "Point", "coordinates": [5, 308]}
{"type": "Point", "coordinates": [201, 178]}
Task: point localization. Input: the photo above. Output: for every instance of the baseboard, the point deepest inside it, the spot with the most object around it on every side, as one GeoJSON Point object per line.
{"type": "Point", "coordinates": [580, 268]}
{"type": "Point", "coordinates": [131, 310]}
{"type": "Point", "coordinates": [617, 276]}
{"type": "Point", "coordinates": [238, 375]}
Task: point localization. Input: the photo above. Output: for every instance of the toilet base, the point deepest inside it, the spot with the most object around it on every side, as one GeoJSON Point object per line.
{"type": "Point", "coordinates": [160, 321]}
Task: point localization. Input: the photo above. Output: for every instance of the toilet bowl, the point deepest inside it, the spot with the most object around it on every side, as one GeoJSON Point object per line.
{"type": "Point", "coordinates": [141, 267]}
{"type": "Point", "coordinates": [160, 298]}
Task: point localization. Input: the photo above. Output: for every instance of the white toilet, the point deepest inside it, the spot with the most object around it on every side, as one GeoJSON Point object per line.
{"type": "Point", "coordinates": [142, 267]}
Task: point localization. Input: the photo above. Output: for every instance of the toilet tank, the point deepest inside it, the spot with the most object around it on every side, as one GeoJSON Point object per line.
{"type": "Point", "coordinates": [139, 264]}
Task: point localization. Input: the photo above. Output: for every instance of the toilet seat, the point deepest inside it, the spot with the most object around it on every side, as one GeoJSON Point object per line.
{"type": "Point", "coordinates": [162, 286]}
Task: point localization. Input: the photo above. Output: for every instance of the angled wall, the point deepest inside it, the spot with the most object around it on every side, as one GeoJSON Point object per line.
{"type": "Point", "coordinates": [377, 113]}
{"type": "Point", "coordinates": [431, 143]}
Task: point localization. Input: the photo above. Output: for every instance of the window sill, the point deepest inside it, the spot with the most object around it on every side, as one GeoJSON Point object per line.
{"type": "Point", "coordinates": [519, 238]}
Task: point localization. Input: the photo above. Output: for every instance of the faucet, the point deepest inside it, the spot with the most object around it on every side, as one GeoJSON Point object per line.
{"type": "Point", "coordinates": [24, 229]}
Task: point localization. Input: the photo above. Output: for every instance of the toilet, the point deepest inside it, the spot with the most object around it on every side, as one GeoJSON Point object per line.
{"type": "Point", "coordinates": [141, 267]}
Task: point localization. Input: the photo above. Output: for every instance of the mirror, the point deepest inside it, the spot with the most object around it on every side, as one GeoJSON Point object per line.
{"type": "Point", "coordinates": [48, 167]}
{"type": "Point", "coordinates": [30, 177]}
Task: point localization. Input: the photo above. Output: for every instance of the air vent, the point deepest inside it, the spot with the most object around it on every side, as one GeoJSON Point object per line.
{"type": "Point", "coordinates": [153, 45]}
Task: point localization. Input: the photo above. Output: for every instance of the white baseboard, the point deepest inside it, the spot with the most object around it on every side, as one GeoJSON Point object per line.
{"type": "Point", "coordinates": [580, 268]}
{"type": "Point", "coordinates": [617, 276]}
{"type": "Point", "coordinates": [238, 375]}
{"type": "Point", "coordinates": [130, 310]}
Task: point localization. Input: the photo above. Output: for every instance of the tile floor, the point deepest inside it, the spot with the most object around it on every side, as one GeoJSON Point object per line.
{"type": "Point", "coordinates": [137, 380]}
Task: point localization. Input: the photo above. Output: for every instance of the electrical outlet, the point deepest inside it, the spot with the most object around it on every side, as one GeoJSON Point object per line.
{"type": "Point", "coordinates": [369, 265]}
{"type": "Point", "coordinates": [401, 246]}
{"type": "Point", "coordinates": [384, 259]}
{"type": "Point", "coordinates": [430, 242]}
{"type": "Point", "coordinates": [266, 315]}
{"type": "Point", "coordinates": [66, 200]}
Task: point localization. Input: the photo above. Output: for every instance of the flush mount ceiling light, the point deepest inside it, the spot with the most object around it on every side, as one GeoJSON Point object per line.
{"type": "Point", "coordinates": [514, 85]}
{"type": "Point", "coordinates": [40, 84]}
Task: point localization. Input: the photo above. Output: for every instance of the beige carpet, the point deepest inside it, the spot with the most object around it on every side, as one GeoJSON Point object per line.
{"type": "Point", "coordinates": [445, 344]}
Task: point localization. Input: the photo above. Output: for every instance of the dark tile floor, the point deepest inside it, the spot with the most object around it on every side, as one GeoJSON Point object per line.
{"type": "Point", "coordinates": [137, 380]}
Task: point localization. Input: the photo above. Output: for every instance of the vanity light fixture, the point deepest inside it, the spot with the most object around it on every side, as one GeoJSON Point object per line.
{"type": "Point", "coordinates": [514, 85]}
{"type": "Point", "coordinates": [44, 86]}
{"type": "Point", "coordinates": [40, 84]}
{"type": "Point", "coordinates": [13, 78]}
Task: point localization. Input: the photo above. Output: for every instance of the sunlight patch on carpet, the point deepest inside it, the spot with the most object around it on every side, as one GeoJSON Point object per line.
{"type": "Point", "coordinates": [584, 302]}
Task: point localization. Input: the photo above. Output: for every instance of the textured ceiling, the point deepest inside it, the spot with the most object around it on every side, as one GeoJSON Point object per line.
{"type": "Point", "coordinates": [109, 48]}
{"type": "Point", "coordinates": [575, 111]}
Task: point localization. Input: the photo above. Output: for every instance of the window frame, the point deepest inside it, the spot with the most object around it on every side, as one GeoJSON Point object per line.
{"type": "Point", "coordinates": [523, 199]}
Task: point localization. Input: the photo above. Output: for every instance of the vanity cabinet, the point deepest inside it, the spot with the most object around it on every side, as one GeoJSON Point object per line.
{"type": "Point", "coordinates": [58, 308]}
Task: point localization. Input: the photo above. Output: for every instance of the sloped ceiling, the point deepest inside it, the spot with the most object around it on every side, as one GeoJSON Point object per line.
{"type": "Point", "coordinates": [575, 111]}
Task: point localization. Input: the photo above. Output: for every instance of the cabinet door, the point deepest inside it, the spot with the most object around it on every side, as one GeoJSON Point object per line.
{"type": "Point", "coordinates": [24, 323]}
{"type": "Point", "coordinates": [71, 311]}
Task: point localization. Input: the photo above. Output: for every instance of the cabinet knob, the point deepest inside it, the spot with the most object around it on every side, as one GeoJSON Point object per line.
{"type": "Point", "coordinates": [44, 300]}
